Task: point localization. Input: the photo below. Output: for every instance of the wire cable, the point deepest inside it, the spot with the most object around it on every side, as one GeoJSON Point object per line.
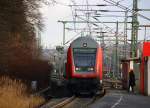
{"type": "Point", "coordinates": [126, 8]}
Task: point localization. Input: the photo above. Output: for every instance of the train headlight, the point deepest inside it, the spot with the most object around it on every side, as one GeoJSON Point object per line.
{"type": "Point", "coordinates": [77, 69]}
{"type": "Point", "coordinates": [84, 44]}
{"type": "Point", "coordinates": [101, 81]}
{"type": "Point", "coordinates": [90, 69]}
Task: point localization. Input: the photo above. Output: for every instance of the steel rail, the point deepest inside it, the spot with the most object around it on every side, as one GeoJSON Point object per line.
{"type": "Point", "coordinates": [63, 103]}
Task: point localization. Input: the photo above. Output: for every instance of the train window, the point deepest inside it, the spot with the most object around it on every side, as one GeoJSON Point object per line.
{"type": "Point", "coordinates": [84, 50]}
{"type": "Point", "coordinates": [84, 58]}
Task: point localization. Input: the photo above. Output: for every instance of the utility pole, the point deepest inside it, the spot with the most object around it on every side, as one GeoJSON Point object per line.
{"type": "Point", "coordinates": [88, 17]}
{"type": "Point", "coordinates": [64, 27]}
{"type": "Point", "coordinates": [64, 24]}
{"type": "Point", "coordinates": [145, 34]}
{"type": "Point", "coordinates": [117, 72]}
{"type": "Point", "coordinates": [102, 37]}
{"type": "Point", "coordinates": [125, 34]}
{"type": "Point", "coordinates": [134, 33]}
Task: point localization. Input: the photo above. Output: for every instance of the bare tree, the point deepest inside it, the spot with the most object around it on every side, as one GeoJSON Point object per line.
{"type": "Point", "coordinates": [18, 19]}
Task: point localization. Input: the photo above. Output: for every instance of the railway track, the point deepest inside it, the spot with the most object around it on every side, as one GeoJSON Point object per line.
{"type": "Point", "coordinates": [76, 102]}
{"type": "Point", "coordinates": [81, 102]}
{"type": "Point", "coordinates": [71, 102]}
{"type": "Point", "coordinates": [58, 103]}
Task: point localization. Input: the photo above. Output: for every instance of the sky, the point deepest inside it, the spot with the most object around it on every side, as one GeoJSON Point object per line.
{"type": "Point", "coordinates": [52, 34]}
{"type": "Point", "coordinates": [53, 31]}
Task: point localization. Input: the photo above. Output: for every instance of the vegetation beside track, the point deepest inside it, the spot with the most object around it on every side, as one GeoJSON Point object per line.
{"type": "Point", "coordinates": [14, 94]}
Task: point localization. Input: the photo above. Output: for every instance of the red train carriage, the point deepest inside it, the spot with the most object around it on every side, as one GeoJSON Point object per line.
{"type": "Point", "coordinates": [84, 65]}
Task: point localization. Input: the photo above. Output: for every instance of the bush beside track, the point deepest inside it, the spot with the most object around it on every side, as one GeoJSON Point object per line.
{"type": "Point", "coordinates": [30, 70]}
{"type": "Point", "coordinates": [14, 94]}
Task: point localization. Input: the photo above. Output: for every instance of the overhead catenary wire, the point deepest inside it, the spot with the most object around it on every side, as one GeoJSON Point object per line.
{"type": "Point", "coordinates": [74, 13]}
{"type": "Point", "coordinates": [74, 37]}
{"type": "Point", "coordinates": [104, 24]}
{"type": "Point", "coordinates": [75, 6]}
{"type": "Point", "coordinates": [82, 30]}
{"type": "Point", "coordinates": [126, 8]}
{"type": "Point", "coordinates": [96, 24]}
{"type": "Point", "coordinates": [60, 3]}
{"type": "Point", "coordinates": [98, 5]}
{"type": "Point", "coordinates": [74, 18]}
{"type": "Point", "coordinates": [110, 29]}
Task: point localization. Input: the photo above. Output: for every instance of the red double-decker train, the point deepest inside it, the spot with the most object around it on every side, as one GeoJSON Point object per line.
{"type": "Point", "coordinates": [84, 66]}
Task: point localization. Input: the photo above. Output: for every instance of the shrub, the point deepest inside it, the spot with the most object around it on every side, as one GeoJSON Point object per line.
{"type": "Point", "coordinates": [13, 94]}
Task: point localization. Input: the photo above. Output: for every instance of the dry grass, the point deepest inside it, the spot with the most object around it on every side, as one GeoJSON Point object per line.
{"type": "Point", "coordinates": [13, 94]}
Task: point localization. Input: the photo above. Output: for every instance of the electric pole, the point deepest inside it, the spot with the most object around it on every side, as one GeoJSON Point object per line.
{"type": "Point", "coordinates": [125, 34]}
{"type": "Point", "coordinates": [117, 72]}
{"type": "Point", "coordinates": [134, 33]}
{"type": "Point", "coordinates": [64, 27]}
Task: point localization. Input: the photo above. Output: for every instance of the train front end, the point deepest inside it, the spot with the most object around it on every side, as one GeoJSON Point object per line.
{"type": "Point", "coordinates": [84, 66]}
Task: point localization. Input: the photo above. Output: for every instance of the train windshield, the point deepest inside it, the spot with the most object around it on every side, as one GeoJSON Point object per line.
{"type": "Point", "coordinates": [84, 57]}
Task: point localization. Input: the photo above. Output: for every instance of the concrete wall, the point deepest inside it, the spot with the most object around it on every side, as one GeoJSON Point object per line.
{"type": "Point", "coordinates": [147, 77]}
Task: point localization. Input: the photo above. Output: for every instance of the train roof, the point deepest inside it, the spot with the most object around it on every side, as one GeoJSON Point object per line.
{"type": "Point", "coordinates": [85, 42]}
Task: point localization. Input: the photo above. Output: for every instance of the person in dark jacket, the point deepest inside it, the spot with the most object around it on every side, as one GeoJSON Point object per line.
{"type": "Point", "coordinates": [131, 80]}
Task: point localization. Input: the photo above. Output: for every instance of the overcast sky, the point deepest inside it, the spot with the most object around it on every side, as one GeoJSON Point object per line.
{"type": "Point", "coordinates": [53, 32]}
